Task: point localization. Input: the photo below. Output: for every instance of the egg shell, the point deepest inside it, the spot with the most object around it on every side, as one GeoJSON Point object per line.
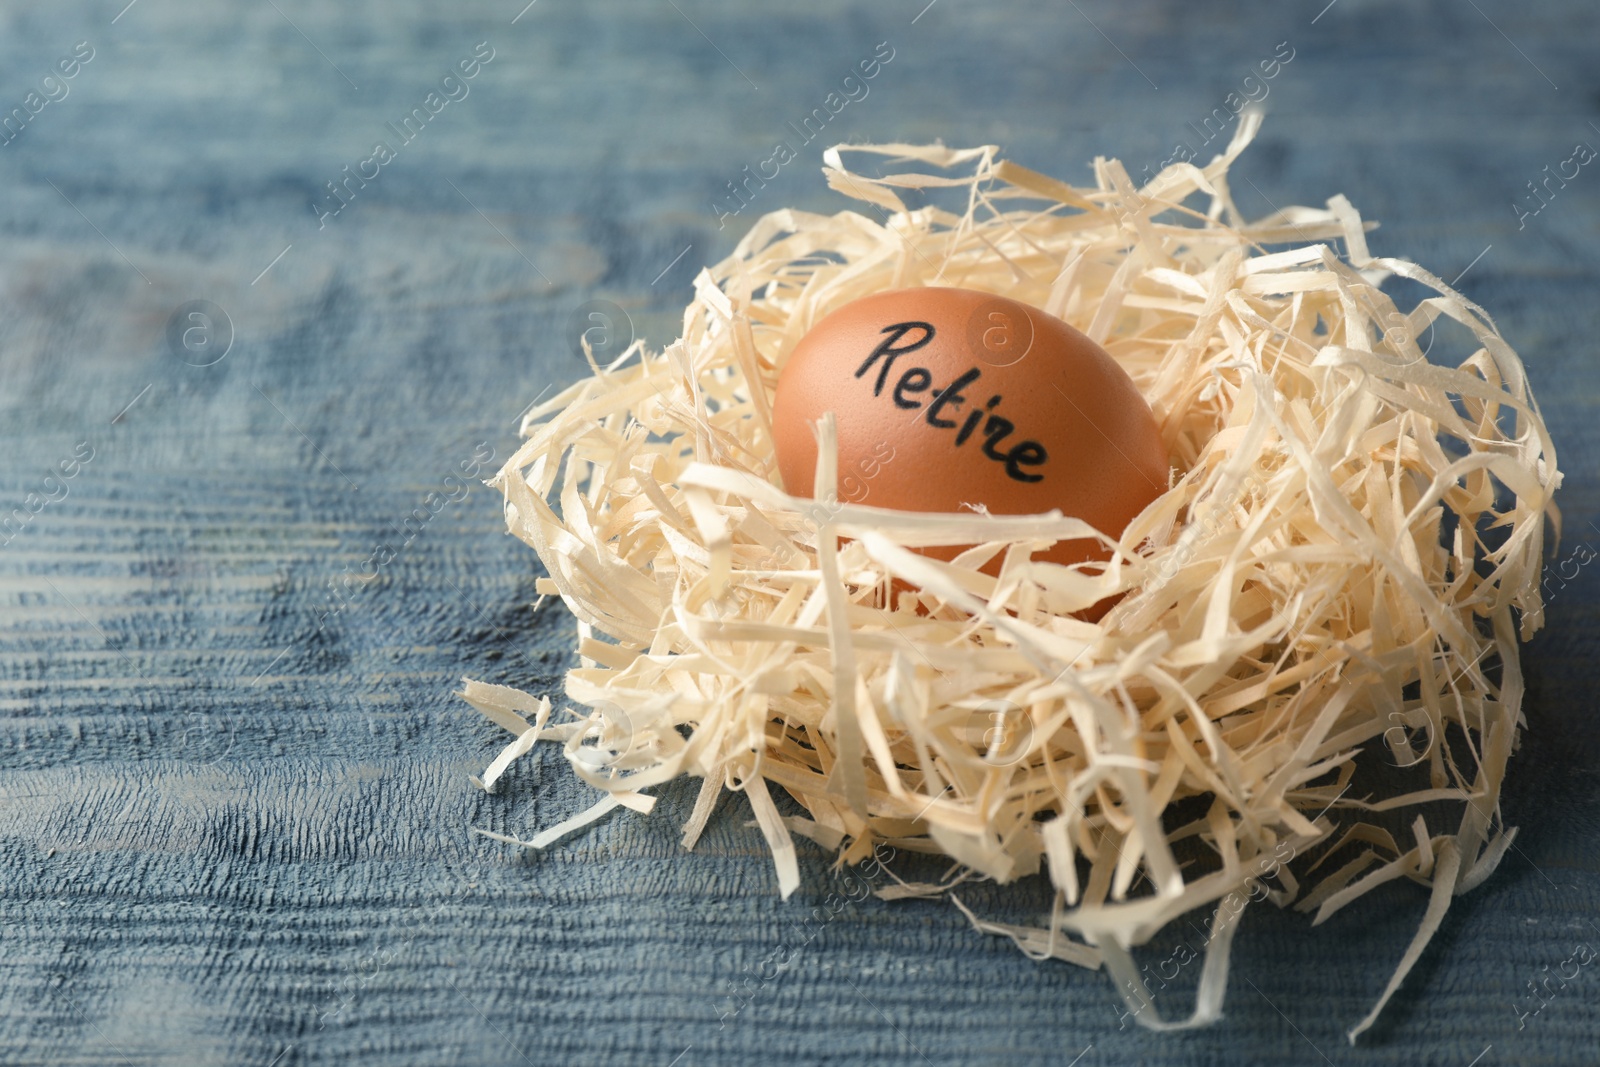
{"type": "Point", "coordinates": [947, 399]}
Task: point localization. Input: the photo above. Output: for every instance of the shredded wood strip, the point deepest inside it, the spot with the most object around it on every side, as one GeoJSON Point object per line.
{"type": "Point", "coordinates": [1338, 575]}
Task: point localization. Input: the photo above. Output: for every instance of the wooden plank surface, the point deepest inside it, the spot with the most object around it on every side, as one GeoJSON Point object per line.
{"type": "Point", "coordinates": [235, 784]}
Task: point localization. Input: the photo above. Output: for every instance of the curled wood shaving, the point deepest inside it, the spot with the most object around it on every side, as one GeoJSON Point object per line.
{"type": "Point", "coordinates": [1338, 574]}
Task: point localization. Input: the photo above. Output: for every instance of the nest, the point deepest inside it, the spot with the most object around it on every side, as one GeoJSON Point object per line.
{"type": "Point", "coordinates": [1337, 577]}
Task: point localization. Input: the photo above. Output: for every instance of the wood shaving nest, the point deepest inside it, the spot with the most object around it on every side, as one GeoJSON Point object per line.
{"type": "Point", "coordinates": [1336, 578]}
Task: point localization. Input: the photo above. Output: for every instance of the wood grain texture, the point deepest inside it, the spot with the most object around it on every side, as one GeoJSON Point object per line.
{"type": "Point", "coordinates": [234, 827]}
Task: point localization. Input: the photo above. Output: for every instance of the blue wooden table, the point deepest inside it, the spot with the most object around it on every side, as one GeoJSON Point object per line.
{"type": "Point", "coordinates": [242, 349]}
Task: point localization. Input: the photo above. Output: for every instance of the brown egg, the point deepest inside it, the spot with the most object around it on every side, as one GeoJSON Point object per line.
{"type": "Point", "coordinates": [951, 397]}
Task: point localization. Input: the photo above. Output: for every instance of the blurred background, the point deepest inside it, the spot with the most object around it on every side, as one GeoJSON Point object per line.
{"type": "Point", "coordinates": [241, 347]}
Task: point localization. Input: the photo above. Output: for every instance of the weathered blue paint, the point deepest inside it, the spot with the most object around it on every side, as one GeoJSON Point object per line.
{"type": "Point", "coordinates": [235, 790]}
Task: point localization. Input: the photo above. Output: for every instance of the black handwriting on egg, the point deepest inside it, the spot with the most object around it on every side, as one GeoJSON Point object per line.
{"type": "Point", "coordinates": [915, 380]}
